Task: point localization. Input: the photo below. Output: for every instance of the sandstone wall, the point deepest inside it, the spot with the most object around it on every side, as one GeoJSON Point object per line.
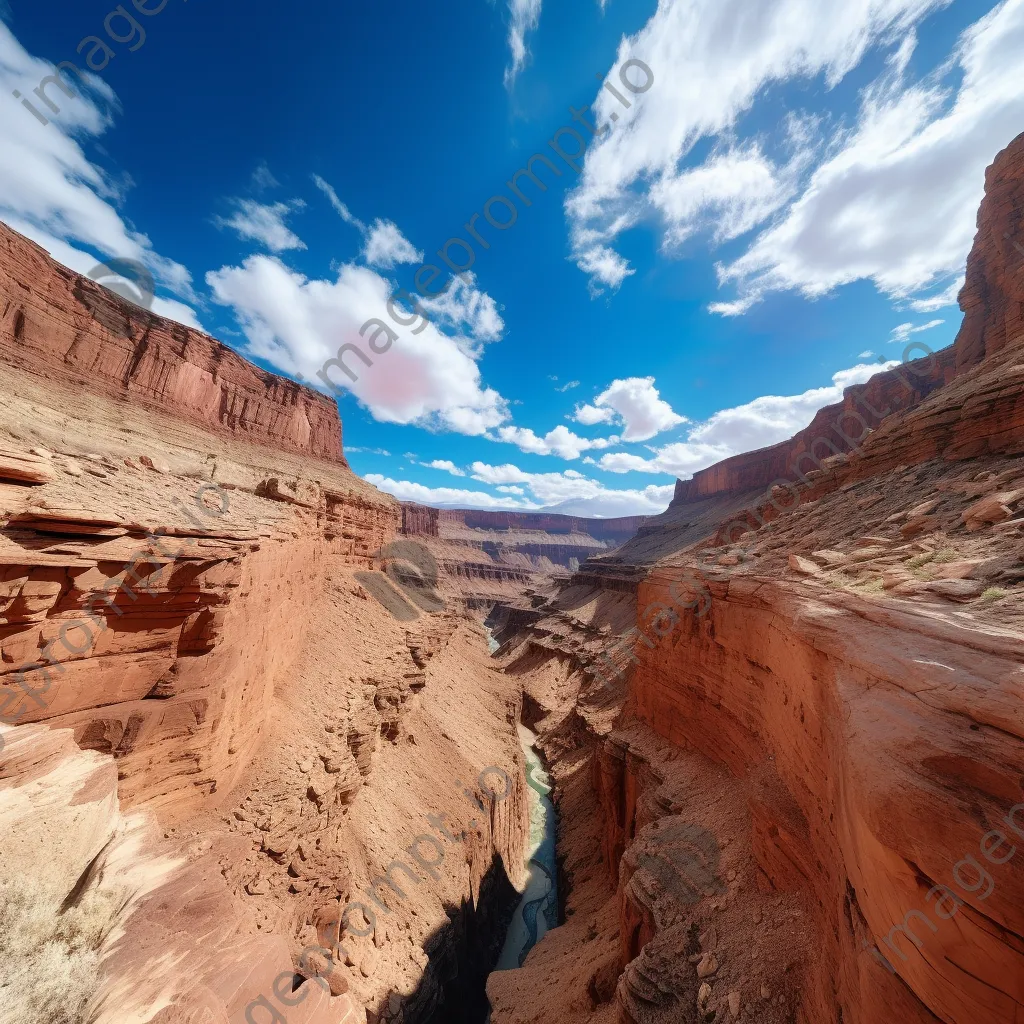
{"type": "Point", "coordinates": [164, 669]}
{"type": "Point", "coordinates": [49, 324]}
{"type": "Point", "coordinates": [992, 298]}
{"type": "Point", "coordinates": [807, 746]}
{"type": "Point", "coordinates": [871, 795]}
{"type": "Point", "coordinates": [185, 598]}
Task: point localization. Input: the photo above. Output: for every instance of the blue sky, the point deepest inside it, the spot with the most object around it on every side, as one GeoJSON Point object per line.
{"type": "Point", "coordinates": [792, 197]}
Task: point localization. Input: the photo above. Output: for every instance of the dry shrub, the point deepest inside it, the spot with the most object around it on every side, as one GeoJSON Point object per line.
{"type": "Point", "coordinates": [49, 960]}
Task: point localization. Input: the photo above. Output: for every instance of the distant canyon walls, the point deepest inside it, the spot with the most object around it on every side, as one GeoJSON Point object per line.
{"type": "Point", "coordinates": [522, 539]}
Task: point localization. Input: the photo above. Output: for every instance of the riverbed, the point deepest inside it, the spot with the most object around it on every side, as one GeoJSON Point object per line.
{"type": "Point", "coordinates": [537, 912]}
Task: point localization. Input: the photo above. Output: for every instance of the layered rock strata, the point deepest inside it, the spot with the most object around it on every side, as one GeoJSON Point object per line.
{"type": "Point", "coordinates": [801, 794]}
{"type": "Point", "coordinates": [194, 662]}
{"type": "Point", "coordinates": [55, 321]}
{"type": "Point", "coordinates": [496, 556]}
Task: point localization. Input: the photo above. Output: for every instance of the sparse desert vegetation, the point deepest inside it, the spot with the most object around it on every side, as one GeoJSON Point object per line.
{"type": "Point", "coordinates": [50, 953]}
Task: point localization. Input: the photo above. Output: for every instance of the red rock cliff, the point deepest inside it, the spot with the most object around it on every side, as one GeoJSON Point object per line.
{"type": "Point", "coordinates": [835, 429]}
{"type": "Point", "coordinates": [187, 572]}
{"type": "Point", "coordinates": [136, 356]}
{"type": "Point", "coordinates": [992, 300]}
{"type": "Point", "coordinates": [993, 294]}
{"type": "Point", "coordinates": [790, 759]}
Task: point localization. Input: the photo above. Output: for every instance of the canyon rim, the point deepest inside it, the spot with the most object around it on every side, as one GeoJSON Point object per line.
{"type": "Point", "coordinates": [286, 743]}
{"type": "Point", "coordinates": [251, 743]}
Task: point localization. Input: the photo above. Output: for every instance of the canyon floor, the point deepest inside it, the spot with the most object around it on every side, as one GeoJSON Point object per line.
{"type": "Point", "coordinates": [251, 763]}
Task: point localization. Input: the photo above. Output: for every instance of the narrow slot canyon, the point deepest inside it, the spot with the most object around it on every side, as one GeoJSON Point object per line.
{"type": "Point", "coordinates": [295, 752]}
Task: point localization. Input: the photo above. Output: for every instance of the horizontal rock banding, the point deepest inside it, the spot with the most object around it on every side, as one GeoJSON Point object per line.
{"type": "Point", "coordinates": [47, 327]}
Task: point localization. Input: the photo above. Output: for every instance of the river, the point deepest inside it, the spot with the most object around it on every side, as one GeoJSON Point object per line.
{"type": "Point", "coordinates": [537, 912]}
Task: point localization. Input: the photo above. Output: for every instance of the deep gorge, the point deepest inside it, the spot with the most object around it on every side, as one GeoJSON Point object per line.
{"type": "Point", "coordinates": [762, 796]}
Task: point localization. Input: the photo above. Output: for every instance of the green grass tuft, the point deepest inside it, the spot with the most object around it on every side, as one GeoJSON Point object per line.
{"type": "Point", "coordinates": [874, 586]}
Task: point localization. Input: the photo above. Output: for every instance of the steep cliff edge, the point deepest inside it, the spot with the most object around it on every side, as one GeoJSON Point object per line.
{"type": "Point", "coordinates": [192, 659]}
{"type": "Point", "coordinates": [785, 719]}
{"type": "Point", "coordinates": [58, 323]}
{"type": "Point", "coordinates": [992, 298]}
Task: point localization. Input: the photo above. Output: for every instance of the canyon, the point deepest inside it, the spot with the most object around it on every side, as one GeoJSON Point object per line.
{"type": "Point", "coordinates": [782, 720]}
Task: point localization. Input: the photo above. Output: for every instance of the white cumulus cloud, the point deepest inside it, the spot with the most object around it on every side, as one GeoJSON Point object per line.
{"type": "Point", "coordinates": [890, 198]}
{"type": "Point", "coordinates": [560, 441]}
{"type": "Point", "coordinates": [576, 494]}
{"type": "Point", "coordinates": [463, 308]}
{"type": "Point", "coordinates": [757, 424]}
{"type": "Point", "coordinates": [407, 490]}
{"type": "Point", "coordinates": [637, 404]}
{"type": "Point", "coordinates": [386, 246]}
{"type": "Point", "coordinates": [524, 17]}
{"type": "Point", "coordinates": [447, 465]}
{"type": "Point", "coordinates": [298, 324]}
{"type": "Point", "coordinates": [896, 203]}
{"type": "Point", "coordinates": [903, 332]}
{"type": "Point", "coordinates": [53, 194]}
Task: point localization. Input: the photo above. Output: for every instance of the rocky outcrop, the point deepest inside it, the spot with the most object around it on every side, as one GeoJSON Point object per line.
{"type": "Point", "coordinates": [146, 928]}
{"type": "Point", "coordinates": [206, 690]}
{"type": "Point", "coordinates": [993, 294]}
{"type": "Point", "coordinates": [56, 322]}
{"type": "Point", "coordinates": [992, 300]}
{"type": "Point", "coordinates": [803, 747]}
{"type": "Point", "coordinates": [152, 630]}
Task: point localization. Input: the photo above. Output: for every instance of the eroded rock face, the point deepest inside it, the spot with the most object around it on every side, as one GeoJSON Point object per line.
{"type": "Point", "coordinates": [48, 325]}
{"type": "Point", "coordinates": [834, 431]}
{"type": "Point", "coordinates": [804, 748]}
{"type": "Point", "coordinates": [165, 939]}
{"type": "Point", "coordinates": [208, 697]}
{"type": "Point", "coordinates": [993, 294]}
{"type": "Point", "coordinates": [155, 633]}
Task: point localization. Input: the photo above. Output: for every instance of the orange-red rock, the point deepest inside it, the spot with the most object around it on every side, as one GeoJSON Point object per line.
{"type": "Point", "coordinates": [817, 719]}
{"type": "Point", "coordinates": [48, 327]}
